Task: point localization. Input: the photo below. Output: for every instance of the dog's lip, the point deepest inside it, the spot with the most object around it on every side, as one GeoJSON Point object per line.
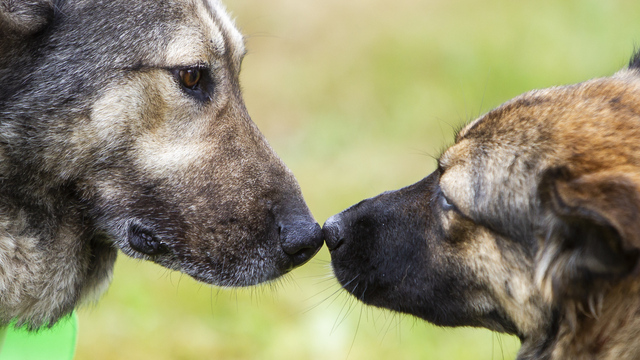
{"type": "Point", "coordinates": [144, 240]}
{"type": "Point", "coordinates": [240, 279]}
{"type": "Point", "coordinates": [302, 257]}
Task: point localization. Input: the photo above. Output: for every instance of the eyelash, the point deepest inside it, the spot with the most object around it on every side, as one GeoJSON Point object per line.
{"type": "Point", "coordinates": [446, 204]}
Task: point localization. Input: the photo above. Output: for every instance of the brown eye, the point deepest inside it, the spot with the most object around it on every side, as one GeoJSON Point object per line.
{"type": "Point", "coordinates": [190, 78]}
{"type": "Point", "coordinates": [196, 81]}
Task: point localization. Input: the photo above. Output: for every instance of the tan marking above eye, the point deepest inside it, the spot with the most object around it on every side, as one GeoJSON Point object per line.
{"type": "Point", "coordinates": [455, 184]}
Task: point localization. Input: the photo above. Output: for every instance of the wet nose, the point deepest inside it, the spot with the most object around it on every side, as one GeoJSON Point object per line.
{"type": "Point", "coordinates": [332, 232]}
{"type": "Point", "coordinates": [301, 240]}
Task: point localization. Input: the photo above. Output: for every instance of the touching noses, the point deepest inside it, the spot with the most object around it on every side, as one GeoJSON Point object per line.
{"type": "Point", "coordinates": [300, 238]}
{"type": "Point", "coordinates": [332, 232]}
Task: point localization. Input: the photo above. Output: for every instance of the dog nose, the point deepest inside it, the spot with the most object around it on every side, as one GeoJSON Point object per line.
{"type": "Point", "coordinates": [301, 240]}
{"type": "Point", "coordinates": [332, 232]}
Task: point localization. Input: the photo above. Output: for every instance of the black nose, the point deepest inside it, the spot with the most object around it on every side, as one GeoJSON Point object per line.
{"type": "Point", "coordinates": [332, 232]}
{"type": "Point", "coordinates": [301, 240]}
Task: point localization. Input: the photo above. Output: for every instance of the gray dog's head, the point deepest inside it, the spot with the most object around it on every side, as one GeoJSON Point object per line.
{"type": "Point", "coordinates": [123, 122]}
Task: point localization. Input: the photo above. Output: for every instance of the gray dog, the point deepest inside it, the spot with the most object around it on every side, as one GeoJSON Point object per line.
{"type": "Point", "coordinates": [122, 125]}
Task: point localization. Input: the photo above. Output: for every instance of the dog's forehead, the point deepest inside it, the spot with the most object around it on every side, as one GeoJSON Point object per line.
{"type": "Point", "coordinates": [457, 154]}
{"type": "Point", "coordinates": [210, 31]}
{"type": "Point", "coordinates": [561, 107]}
{"type": "Point", "coordinates": [532, 105]}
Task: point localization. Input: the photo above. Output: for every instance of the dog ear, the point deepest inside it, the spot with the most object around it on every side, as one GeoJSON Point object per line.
{"type": "Point", "coordinates": [24, 17]}
{"type": "Point", "coordinates": [593, 232]}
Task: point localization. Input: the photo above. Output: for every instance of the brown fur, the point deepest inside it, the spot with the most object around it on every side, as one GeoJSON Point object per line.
{"type": "Point", "coordinates": [530, 225]}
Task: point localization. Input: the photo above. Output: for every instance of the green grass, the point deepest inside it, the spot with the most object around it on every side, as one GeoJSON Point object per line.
{"type": "Point", "coordinates": [357, 96]}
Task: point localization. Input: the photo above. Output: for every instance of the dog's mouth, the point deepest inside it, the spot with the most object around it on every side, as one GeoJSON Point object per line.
{"type": "Point", "coordinates": [204, 259]}
{"type": "Point", "coordinates": [142, 239]}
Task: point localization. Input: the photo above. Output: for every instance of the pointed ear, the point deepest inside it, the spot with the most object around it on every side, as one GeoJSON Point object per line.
{"type": "Point", "coordinates": [593, 231]}
{"type": "Point", "coordinates": [24, 17]}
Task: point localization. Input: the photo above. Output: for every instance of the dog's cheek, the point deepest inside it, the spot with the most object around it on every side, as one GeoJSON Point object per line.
{"type": "Point", "coordinates": [506, 271]}
{"type": "Point", "coordinates": [103, 137]}
{"type": "Point", "coordinates": [203, 183]}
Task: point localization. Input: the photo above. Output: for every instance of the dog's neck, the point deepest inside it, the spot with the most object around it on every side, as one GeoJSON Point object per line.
{"type": "Point", "coordinates": [609, 330]}
{"type": "Point", "coordinates": [50, 260]}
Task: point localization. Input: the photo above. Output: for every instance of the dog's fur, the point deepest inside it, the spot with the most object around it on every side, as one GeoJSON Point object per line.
{"type": "Point", "coordinates": [530, 225]}
{"type": "Point", "coordinates": [104, 146]}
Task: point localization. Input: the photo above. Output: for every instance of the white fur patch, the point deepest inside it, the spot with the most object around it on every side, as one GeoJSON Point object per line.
{"type": "Point", "coordinates": [228, 26]}
{"type": "Point", "coordinates": [163, 156]}
{"type": "Point", "coordinates": [189, 46]}
{"type": "Point", "coordinates": [194, 45]}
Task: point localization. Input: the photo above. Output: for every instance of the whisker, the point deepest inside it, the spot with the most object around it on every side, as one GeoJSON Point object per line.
{"type": "Point", "coordinates": [351, 301]}
{"type": "Point", "coordinates": [338, 321]}
{"type": "Point", "coordinates": [355, 334]}
{"type": "Point", "coordinates": [328, 297]}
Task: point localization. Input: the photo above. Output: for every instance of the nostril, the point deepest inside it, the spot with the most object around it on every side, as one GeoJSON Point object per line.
{"type": "Point", "coordinates": [301, 241]}
{"type": "Point", "coordinates": [331, 231]}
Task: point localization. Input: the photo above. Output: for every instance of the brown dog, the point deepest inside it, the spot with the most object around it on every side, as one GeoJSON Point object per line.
{"type": "Point", "coordinates": [530, 226]}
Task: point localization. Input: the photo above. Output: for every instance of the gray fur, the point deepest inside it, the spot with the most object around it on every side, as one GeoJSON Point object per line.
{"type": "Point", "coordinates": [100, 148]}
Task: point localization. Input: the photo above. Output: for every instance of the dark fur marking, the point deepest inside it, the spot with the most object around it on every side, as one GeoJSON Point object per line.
{"type": "Point", "coordinates": [634, 63]}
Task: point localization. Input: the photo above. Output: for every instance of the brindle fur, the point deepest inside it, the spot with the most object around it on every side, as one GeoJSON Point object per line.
{"type": "Point", "coordinates": [101, 147]}
{"type": "Point", "coordinates": [529, 226]}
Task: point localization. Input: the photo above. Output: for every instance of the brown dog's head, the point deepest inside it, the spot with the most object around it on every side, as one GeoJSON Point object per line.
{"type": "Point", "coordinates": [536, 206]}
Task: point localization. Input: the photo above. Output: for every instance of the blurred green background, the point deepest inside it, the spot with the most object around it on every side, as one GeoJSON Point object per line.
{"type": "Point", "coordinates": [357, 96]}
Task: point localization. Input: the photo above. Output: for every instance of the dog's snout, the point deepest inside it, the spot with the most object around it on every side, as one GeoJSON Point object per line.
{"type": "Point", "coordinates": [301, 240]}
{"type": "Point", "coordinates": [332, 232]}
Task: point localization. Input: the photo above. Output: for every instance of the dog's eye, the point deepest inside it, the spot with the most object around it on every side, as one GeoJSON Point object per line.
{"type": "Point", "coordinates": [195, 81]}
{"type": "Point", "coordinates": [445, 203]}
{"type": "Point", "coordinates": [190, 78]}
